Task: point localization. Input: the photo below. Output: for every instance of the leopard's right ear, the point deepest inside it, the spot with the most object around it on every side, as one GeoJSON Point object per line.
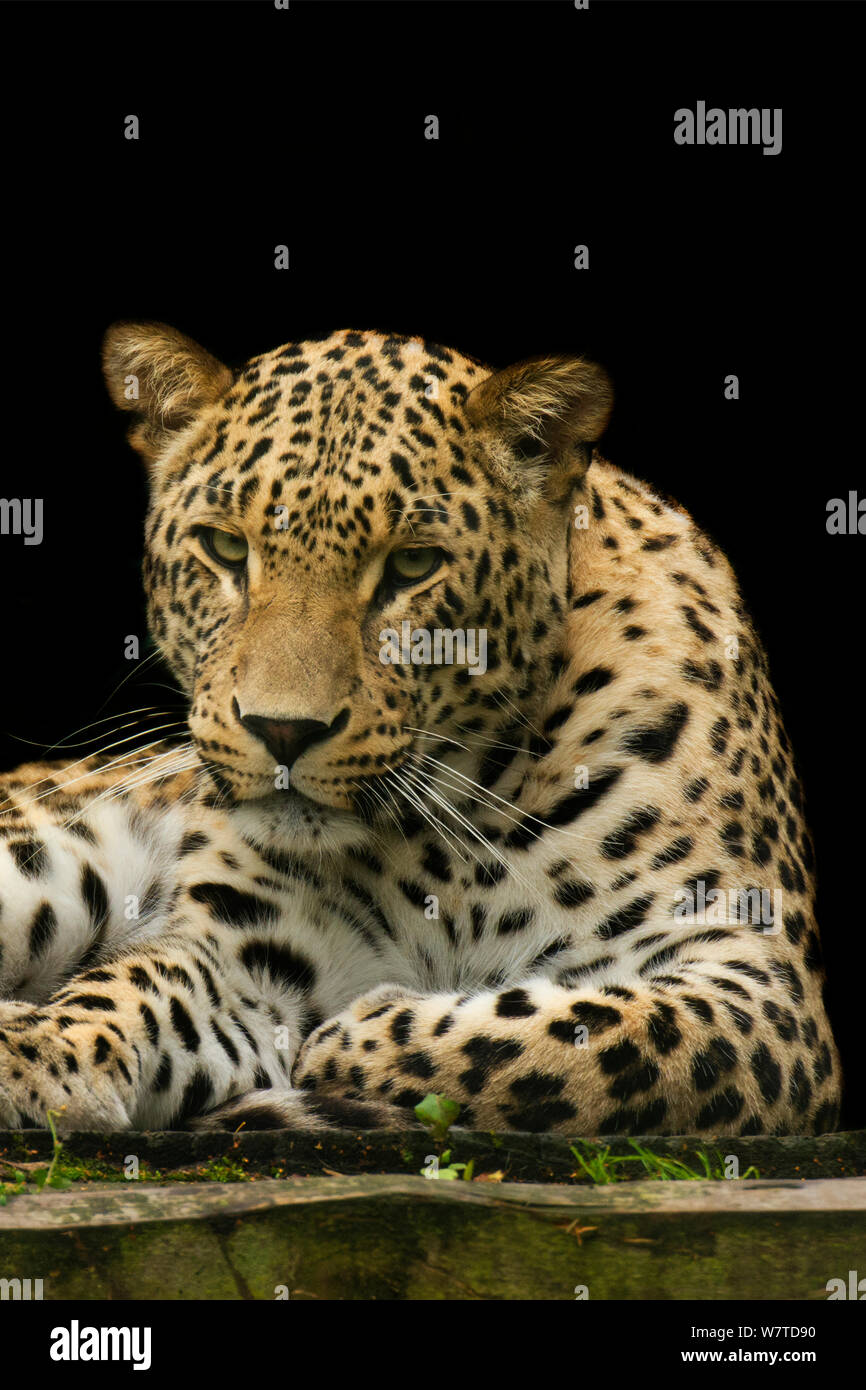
{"type": "Point", "coordinates": [161, 377]}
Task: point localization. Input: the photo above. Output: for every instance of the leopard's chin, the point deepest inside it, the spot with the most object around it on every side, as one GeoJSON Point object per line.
{"type": "Point", "coordinates": [291, 821]}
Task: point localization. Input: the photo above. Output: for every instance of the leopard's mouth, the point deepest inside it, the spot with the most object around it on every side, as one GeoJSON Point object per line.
{"type": "Point", "coordinates": [363, 799]}
{"type": "Point", "coordinates": [236, 789]}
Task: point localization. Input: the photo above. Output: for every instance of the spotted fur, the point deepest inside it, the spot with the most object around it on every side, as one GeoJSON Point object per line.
{"type": "Point", "coordinates": [469, 883]}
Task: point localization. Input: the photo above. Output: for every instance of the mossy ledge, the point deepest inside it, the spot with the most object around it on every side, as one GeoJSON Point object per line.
{"type": "Point", "coordinates": [543, 1158]}
{"type": "Point", "coordinates": [380, 1236]}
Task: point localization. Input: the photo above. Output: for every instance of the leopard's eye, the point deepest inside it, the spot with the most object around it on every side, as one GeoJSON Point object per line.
{"type": "Point", "coordinates": [226, 547]}
{"type": "Point", "coordinates": [413, 564]}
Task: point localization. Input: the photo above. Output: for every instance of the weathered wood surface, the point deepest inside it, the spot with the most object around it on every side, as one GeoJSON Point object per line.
{"type": "Point", "coordinates": [523, 1157]}
{"type": "Point", "coordinates": [401, 1237]}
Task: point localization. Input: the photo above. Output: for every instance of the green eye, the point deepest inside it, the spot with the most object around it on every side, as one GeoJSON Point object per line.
{"type": "Point", "coordinates": [226, 547]}
{"type": "Point", "coordinates": [411, 565]}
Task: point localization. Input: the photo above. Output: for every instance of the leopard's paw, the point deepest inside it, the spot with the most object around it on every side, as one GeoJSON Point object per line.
{"type": "Point", "coordinates": [14, 1021]}
{"type": "Point", "coordinates": [40, 1071]}
{"type": "Point", "coordinates": [348, 1054]}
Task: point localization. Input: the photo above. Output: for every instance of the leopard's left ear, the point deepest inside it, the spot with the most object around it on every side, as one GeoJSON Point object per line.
{"type": "Point", "coordinates": [547, 412]}
{"type": "Point", "coordinates": [162, 378]}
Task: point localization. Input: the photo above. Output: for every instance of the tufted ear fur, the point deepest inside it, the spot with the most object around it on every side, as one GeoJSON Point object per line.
{"type": "Point", "coordinates": [160, 376]}
{"type": "Point", "coordinates": [544, 415]}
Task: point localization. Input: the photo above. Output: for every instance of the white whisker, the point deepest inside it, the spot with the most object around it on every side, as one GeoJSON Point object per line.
{"type": "Point", "coordinates": [409, 794]}
{"type": "Point", "coordinates": [472, 829]}
{"type": "Point", "coordinates": [95, 771]}
{"type": "Point", "coordinates": [525, 815]}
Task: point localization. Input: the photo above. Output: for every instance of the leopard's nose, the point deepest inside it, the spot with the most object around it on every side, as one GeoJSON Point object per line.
{"type": "Point", "coordinates": [287, 739]}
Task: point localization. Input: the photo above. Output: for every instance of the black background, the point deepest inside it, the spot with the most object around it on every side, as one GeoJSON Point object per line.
{"type": "Point", "coordinates": [306, 127]}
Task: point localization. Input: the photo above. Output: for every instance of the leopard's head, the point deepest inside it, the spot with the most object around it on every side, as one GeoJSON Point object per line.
{"type": "Point", "coordinates": [356, 553]}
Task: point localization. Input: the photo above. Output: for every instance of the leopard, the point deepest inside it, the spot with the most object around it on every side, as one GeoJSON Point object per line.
{"type": "Point", "coordinates": [481, 791]}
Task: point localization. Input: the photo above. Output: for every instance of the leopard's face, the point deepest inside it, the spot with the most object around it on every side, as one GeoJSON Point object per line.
{"type": "Point", "coordinates": [349, 556]}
